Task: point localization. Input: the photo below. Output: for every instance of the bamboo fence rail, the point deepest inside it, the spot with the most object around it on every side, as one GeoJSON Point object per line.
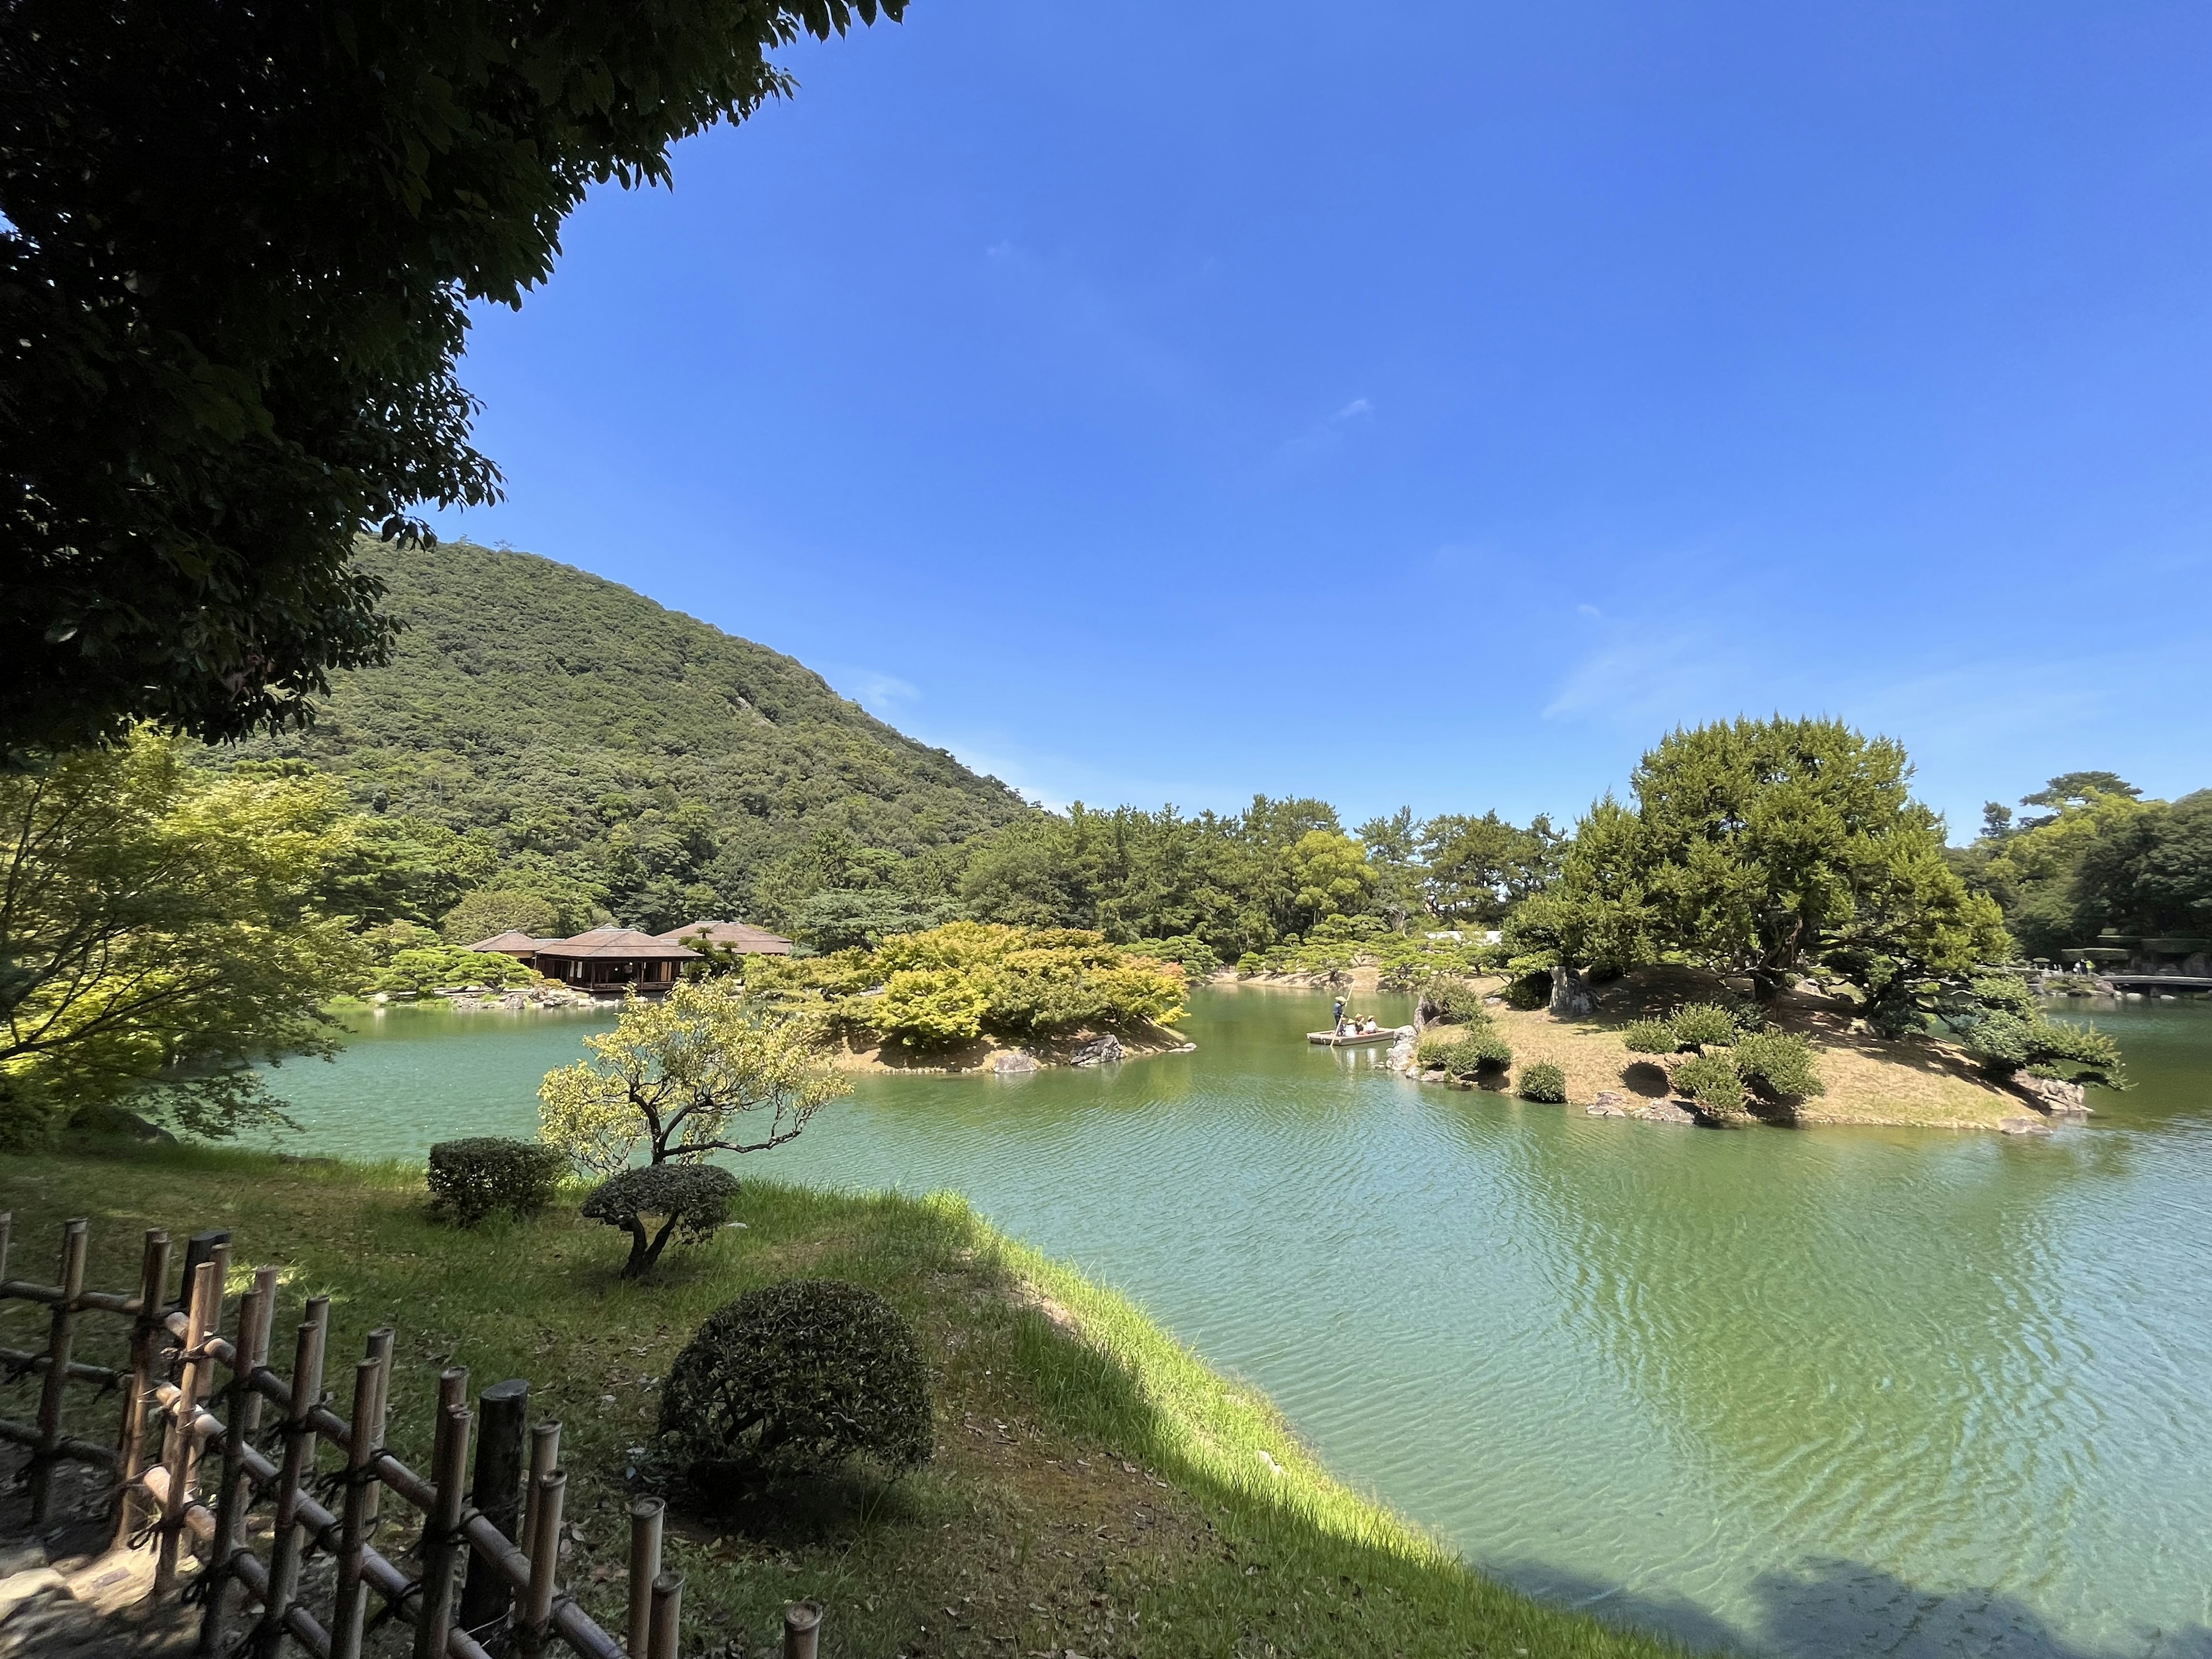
{"type": "Point", "coordinates": [489, 1554]}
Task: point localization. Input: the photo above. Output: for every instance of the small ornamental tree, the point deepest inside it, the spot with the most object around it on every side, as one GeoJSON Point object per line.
{"type": "Point", "coordinates": [702, 1070]}
{"type": "Point", "coordinates": [690, 1201]}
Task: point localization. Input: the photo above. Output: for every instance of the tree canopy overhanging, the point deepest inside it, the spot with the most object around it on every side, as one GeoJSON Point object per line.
{"type": "Point", "coordinates": [238, 242]}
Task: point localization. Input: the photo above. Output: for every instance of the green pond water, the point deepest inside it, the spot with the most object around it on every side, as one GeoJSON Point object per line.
{"type": "Point", "coordinates": [1819, 1392]}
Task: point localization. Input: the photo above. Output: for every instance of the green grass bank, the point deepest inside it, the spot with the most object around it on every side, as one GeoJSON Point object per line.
{"type": "Point", "coordinates": [1096, 1488]}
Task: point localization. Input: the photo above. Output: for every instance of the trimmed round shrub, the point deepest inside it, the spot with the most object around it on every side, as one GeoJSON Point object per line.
{"type": "Point", "coordinates": [1464, 1053]}
{"type": "Point", "coordinates": [1491, 1052]}
{"type": "Point", "coordinates": [480, 1177]}
{"type": "Point", "coordinates": [1529, 992]}
{"type": "Point", "coordinates": [1450, 1000]}
{"type": "Point", "coordinates": [1703, 1025]}
{"type": "Point", "coordinates": [1648, 1036]}
{"type": "Point", "coordinates": [1781, 1065]}
{"type": "Point", "coordinates": [1712, 1081]}
{"type": "Point", "coordinates": [797, 1378]}
{"type": "Point", "coordinates": [690, 1200]}
{"type": "Point", "coordinates": [1438, 1047]}
{"type": "Point", "coordinates": [1544, 1082]}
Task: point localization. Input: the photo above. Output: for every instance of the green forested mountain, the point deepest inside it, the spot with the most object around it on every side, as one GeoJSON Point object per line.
{"type": "Point", "coordinates": [589, 745]}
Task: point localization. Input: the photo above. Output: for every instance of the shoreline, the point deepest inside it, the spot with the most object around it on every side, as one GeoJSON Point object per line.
{"type": "Point", "coordinates": [1089, 1465]}
{"type": "Point", "coordinates": [1872, 1082]}
{"type": "Point", "coordinates": [996, 1057]}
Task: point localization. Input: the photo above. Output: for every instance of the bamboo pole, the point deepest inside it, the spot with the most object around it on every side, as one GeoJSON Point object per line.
{"type": "Point", "coordinates": [495, 1490]}
{"type": "Point", "coordinates": [289, 1535]}
{"type": "Point", "coordinates": [532, 1629]}
{"type": "Point", "coordinates": [667, 1616]}
{"type": "Point", "coordinates": [647, 1518]}
{"type": "Point", "coordinates": [242, 1414]}
{"type": "Point", "coordinates": [802, 1629]}
{"type": "Point", "coordinates": [145, 1343]}
{"type": "Point", "coordinates": [544, 1458]}
{"type": "Point", "coordinates": [180, 1446]}
{"type": "Point", "coordinates": [61, 1337]}
{"type": "Point", "coordinates": [379, 1349]}
{"type": "Point", "coordinates": [7, 1233]}
{"type": "Point", "coordinates": [349, 1599]}
{"type": "Point", "coordinates": [441, 1528]}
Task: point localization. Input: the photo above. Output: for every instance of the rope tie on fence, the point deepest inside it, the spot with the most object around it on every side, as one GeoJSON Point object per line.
{"type": "Point", "coordinates": [482, 1574]}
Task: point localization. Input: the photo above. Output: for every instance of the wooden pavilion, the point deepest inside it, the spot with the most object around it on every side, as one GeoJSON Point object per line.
{"type": "Point", "coordinates": [520, 946]}
{"type": "Point", "coordinates": [612, 958]}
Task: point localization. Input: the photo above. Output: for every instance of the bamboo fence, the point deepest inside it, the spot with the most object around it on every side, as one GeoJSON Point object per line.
{"type": "Point", "coordinates": [187, 1482]}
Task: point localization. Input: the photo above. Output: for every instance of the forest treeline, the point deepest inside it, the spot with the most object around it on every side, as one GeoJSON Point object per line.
{"type": "Point", "coordinates": [168, 924]}
{"type": "Point", "coordinates": [2092, 856]}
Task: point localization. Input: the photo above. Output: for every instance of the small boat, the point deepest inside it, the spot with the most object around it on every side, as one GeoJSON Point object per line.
{"type": "Point", "coordinates": [1330, 1040]}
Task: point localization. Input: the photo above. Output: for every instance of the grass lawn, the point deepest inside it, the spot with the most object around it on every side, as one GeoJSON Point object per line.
{"type": "Point", "coordinates": [1096, 1488]}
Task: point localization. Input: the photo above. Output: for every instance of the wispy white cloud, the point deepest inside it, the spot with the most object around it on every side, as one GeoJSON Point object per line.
{"type": "Point", "coordinates": [1325, 434]}
{"type": "Point", "coordinates": [879, 693]}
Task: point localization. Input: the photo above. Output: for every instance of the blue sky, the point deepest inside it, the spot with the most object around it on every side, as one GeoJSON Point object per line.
{"type": "Point", "coordinates": [1424, 404]}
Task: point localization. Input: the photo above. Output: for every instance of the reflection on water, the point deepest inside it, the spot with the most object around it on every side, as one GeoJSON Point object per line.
{"type": "Point", "coordinates": [1817, 1392]}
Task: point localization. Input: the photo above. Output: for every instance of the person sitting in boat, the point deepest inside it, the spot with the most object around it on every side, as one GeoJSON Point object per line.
{"type": "Point", "coordinates": [1367, 1027]}
{"type": "Point", "coordinates": [1343, 1026]}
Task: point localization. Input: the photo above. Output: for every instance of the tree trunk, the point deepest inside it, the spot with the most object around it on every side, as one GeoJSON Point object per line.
{"type": "Point", "coordinates": [644, 1255]}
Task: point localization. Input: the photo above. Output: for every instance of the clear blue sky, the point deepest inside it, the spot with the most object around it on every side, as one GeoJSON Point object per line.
{"type": "Point", "coordinates": [1424, 404]}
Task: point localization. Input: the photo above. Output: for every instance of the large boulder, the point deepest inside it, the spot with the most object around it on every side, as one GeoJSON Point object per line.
{"type": "Point", "coordinates": [1571, 997]}
{"type": "Point", "coordinates": [1018, 1061]}
{"type": "Point", "coordinates": [1668, 1111]}
{"type": "Point", "coordinates": [1099, 1051]}
{"type": "Point", "coordinates": [1613, 1103]}
{"type": "Point", "coordinates": [2051, 1094]}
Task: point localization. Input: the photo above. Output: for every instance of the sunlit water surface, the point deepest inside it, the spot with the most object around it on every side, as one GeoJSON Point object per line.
{"type": "Point", "coordinates": [1822, 1392]}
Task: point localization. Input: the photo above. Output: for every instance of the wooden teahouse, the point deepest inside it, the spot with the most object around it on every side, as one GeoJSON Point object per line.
{"type": "Point", "coordinates": [612, 958]}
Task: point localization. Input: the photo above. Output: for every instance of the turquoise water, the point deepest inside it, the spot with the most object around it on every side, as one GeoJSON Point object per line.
{"type": "Point", "coordinates": [1822, 1392]}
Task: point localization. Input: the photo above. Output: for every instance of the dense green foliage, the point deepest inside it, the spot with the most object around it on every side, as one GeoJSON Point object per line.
{"type": "Point", "coordinates": [1702, 1026]}
{"type": "Point", "coordinates": [237, 248]}
{"type": "Point", "coordinates": [1711, 1080]}
{"type": "Point", "coordinates": [1780, 1063]}
{"type": "Point", "coordinates": [1999, 1021]}
{"type": "Point", "coordinates": [446, 967]}
{"type": "Point", "coordinates": [1766, 849]}
{"type": "Point", "coordinates": [1448, 1000]}
{"type": "Point", "coordinates": [1728, 1050]}
{"type": "Point", "coordinates": [543, 732]}
{"type": "Point", "coordinates": [160, 931]}
{"type": "Point", "coordinates": [1266, 885]}
{"type": "Point", "coordinates": [1545, 1083]}
{"type": "Point", "coordinates": [2100, 861]}
{"type": "Point", "coordinates": [483, 1176]}
{"type": "Point", "coordinates": [1464, 1051]}
{"type": "Point", "coordinates": [793, 1379]}
{"type": "Point", "coordinates": [690, 1200]}
{"type": "Point", "coordinates": [490, 911]}
{"type": "Point", "coordinates": [969, 979]}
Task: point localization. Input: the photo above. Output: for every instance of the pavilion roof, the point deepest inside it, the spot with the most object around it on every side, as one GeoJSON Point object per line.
{"type": "Point", "coordinates": [620, 942]}
{"type": "Point", "coordinates": [509, 940]}
{"type": "Point", "coordinates": [734, 936]}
